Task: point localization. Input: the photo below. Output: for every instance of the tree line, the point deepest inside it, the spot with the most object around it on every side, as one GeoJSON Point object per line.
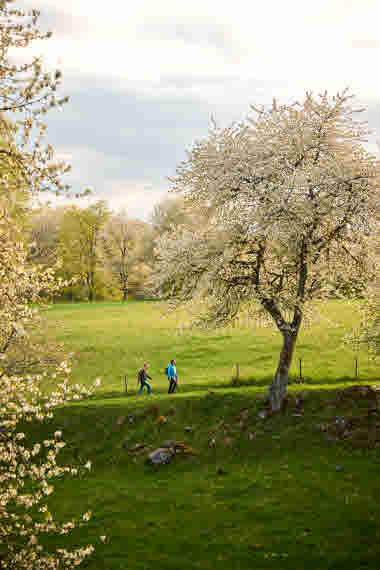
{"type": "Point", "coordinates": [103, 254]}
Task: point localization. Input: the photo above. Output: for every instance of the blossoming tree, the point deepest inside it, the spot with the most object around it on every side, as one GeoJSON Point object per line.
{"type": "Point", "coordinates": [27, 166]}
{"type": "Point", "coordinates": [287, 196]}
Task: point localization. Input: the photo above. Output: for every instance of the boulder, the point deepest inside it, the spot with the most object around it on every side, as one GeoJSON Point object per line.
{"type": "Point", "coordinates": [159, 456]}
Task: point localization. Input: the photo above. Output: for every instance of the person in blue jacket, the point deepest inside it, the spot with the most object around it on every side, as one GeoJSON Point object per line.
{"type": "Point", "coordinates": [172, 377]}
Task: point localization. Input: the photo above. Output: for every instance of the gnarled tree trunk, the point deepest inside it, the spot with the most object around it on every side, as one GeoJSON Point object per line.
{"type": "Point", "coordinates": [278, 387]}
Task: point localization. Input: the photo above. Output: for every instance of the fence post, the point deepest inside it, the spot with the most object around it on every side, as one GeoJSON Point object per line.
{"type": "Point", "coordinates": [126, 383]}
{"type": "Point", "coordinates": [300, 369]}
{"type": "Point", "coordinates": [237, 371]}
{"type": "Point", "coordinates": [356, 367]}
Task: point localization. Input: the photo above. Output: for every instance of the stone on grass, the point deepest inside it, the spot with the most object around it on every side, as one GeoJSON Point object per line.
{"type": "Point", "coordinates": [188, 429]}
{"type": "Point", "coordinates": [263, 414]}
{"type": "Point", "coordinates": [131, 419]}
{"type": "Point", "coordinates": [159, 456]}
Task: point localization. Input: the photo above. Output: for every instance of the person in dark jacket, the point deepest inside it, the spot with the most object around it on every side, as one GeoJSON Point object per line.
{"type": "Point", "coordinates": [141, 377]}
{"type": "Point", "coordinates": [172, 377]}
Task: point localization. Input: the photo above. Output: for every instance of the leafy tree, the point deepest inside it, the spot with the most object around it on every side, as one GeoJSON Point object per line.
{"type": "Point", "coordinates": [80, 242]}
{"type": "Point", "coordinates": [123, 248]}
{"type": "Point", "coordinates": [288, 195]}
{"type": "Point", "coordinates": [43, 234]}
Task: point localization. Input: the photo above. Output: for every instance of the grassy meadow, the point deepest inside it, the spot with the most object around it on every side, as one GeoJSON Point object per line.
{"type": "Point", "coordinates": [276, 494]}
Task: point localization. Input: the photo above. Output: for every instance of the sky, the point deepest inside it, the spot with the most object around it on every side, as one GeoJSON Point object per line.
{"type": "Point", "coordinates": [144, 77]}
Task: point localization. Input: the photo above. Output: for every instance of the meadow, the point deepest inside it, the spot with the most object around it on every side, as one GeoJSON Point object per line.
{"type": "Point", "coordinates": [276, 494]}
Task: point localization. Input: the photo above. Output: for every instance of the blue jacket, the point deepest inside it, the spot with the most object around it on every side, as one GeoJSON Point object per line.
{"type": "Point", "coordinates": [172, 372]}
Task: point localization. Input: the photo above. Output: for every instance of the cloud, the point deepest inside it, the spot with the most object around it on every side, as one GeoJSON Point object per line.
{"type": "Point", "coordinates": [144, 77]}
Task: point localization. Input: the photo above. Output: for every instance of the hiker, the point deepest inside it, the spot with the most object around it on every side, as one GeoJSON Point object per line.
{"type": "Point", "coordinates": [141, 377]}
{"type": "Point", "coordinates": [172, 377]}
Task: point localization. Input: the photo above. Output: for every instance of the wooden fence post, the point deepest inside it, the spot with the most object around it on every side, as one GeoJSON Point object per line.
{"type": "Point", "coordinates": [126, 383]}
{"type": "Point", "coordinates": [356, 367]}
{"type": "Point", "coordinates": [300, 369]}
{"type": "Point", "coordinates": [237, 371]}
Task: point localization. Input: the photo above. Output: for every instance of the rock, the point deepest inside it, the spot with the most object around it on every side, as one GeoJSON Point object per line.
{"type": "Point", "coordinates": [251, 436]}
{"type": "Point", "coordinates": [263, 414]}
{"type": "Point", "coordinates": [159, 456]}
{"type": "Point", "coordinates": [188, 429]}
{"type": "Point", "coordinates": [131, 419]}
{"type": "Point", "coordinates": [339, 468]}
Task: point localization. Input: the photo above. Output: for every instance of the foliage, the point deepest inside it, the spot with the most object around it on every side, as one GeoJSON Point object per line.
{"type": "Point", "coordinates": [28, 91]}
{"type": "Point", "coordinates": [288, 201]}
{"type": "Point", "coordinates": [79, 243]}
{"type": "Point", "coordinates": [122, 241]}
{"type": "Point", "coordinates": [27, 468]}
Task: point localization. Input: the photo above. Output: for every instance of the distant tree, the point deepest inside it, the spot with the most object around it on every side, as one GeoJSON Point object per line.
{"type": "Point", "coordinates": [122, 240]}
{"type": "Point", "coordinates": [80, 242]}
{"type": "Point", "coordinates": [289, 199]}
{"type": "Point", "coordinates": [43, 234]}
{"type": "Point", "coordinates": [368, 333]}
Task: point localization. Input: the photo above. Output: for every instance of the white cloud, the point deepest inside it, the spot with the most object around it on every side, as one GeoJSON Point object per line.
{"type": "Point", "coordinates": [213, 56]}
{"type": "Point", "coordinates": [304, 43]}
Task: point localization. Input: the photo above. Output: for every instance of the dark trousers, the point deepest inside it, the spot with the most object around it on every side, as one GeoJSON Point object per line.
{"type": "Point", "coordinates": [172, 386]}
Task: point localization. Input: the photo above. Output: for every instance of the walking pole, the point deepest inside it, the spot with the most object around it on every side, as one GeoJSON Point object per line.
{"type": "Point", "coordinates": [126, 383]}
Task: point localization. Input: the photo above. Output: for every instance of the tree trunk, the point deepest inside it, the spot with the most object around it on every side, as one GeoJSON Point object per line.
{"type": "Point", "coordinates": [277, 389]}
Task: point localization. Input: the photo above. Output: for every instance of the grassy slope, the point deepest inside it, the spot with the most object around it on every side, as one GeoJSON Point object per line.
{"type": "Point", "coordinates": [280, 502]}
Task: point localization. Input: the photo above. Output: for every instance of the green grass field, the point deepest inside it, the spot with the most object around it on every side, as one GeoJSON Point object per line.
{"type": "Point", "coordinates": [285, 497]}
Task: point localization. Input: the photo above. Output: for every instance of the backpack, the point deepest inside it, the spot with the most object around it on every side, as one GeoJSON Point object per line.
{"type": "Point", "coordinates": [140, 375]}
{"type": "Point", "coordinates": [166, 370]}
